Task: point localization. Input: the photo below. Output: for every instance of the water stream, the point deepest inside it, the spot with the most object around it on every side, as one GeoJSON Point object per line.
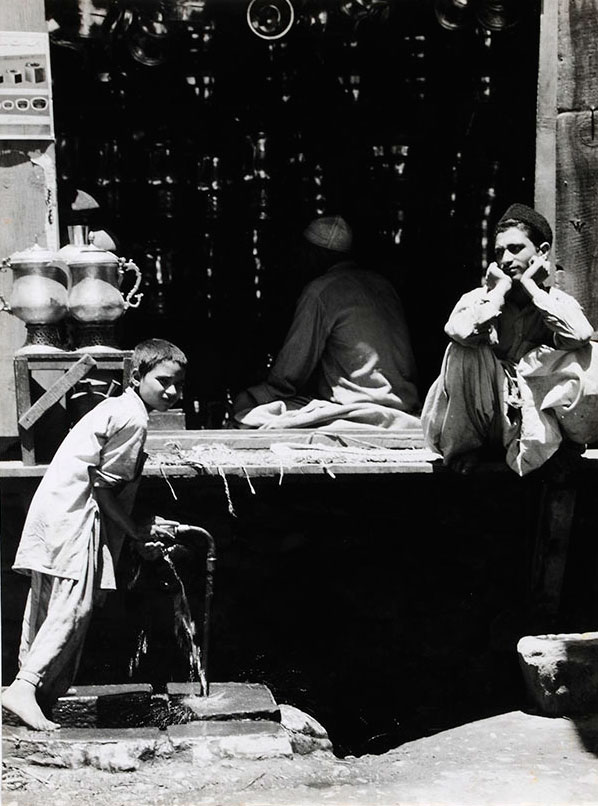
{"type": "Point", "coordinates": [185, 632]}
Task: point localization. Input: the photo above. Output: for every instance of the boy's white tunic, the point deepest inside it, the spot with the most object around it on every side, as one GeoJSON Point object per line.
{"type": "Point", "coordinates": [104, 449]}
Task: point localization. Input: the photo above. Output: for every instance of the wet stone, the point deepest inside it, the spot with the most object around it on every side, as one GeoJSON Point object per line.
{"type": "Point", "coordinates": [231, 739]}
{"type": "Point", "coordinates": [160, 715]}
{"type": "Point", "coordinates": [226, 701]}
{"type": "Point", "coordinates": [117, 706]}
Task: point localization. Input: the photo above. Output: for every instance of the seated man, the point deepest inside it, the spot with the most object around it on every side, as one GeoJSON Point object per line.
{"type": "Point", "coordinates": [347, 356]}
{"type": "Point", "coordinates": [520, 372]}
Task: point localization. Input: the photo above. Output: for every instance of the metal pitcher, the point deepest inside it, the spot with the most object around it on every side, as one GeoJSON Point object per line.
{"type": "Point", "coordinates": [95, 300]}
{"type": "Point", "coordinates": [39, 296]}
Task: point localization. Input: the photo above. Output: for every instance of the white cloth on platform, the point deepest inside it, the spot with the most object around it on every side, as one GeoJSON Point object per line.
{"type": "Point", "coordinates": [327, 414]}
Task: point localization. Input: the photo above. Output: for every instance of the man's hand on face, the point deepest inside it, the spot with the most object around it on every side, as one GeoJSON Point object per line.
{"type": "Point", "coordinates": [495, 275]}
{"type": "Point", "coordinates": [537, 270]}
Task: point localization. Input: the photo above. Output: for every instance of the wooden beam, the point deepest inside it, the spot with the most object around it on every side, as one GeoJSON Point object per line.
{"type": "Point", "coordinates": [576, 139]}
{"type": "Point", "coordinates": [546, 111]}
{"type": "Point", "coordinates": [57, 391]}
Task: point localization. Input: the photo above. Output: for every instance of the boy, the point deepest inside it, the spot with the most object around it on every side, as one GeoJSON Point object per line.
{"type": "Point", "coordinates": [520, 372]}
{"type": "Point", "coordinates": [75, 528]}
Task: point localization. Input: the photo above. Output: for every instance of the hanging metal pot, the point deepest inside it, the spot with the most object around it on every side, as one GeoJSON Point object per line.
{"type": "Point", "coordinates": [270, 19]}
{"type": "Point", "coordinates": [39, 296]}
{"type": "Point", "coordinates": [497, 15]}
{"type": "Point", "coordinates": [453, 15]}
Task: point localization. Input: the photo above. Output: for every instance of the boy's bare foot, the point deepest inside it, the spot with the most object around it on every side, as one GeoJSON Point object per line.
{"type": "Point", "coordinates": [19, 698]}
{"type": "Point", "coordinates": [465, 462]}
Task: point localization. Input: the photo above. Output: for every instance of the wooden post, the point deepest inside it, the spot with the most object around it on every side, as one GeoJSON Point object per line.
{"type": "Point", "coordinates": [567, 142]}
{"type": "Point", "coordinates": [566, 191]}
{"type": "Point", "coordinates": [551, 546]}
{"type": "Point", "coordinates": [27, 204]}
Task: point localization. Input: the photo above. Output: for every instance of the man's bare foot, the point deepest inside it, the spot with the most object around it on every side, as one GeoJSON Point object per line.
{"type": "Point", "coordinates": [465, 462]}
{"type": "Point", "coordinates": [19, 698]}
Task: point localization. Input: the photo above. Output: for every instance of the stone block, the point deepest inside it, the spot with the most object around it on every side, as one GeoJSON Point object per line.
{"type": "Point", "coordinates": [306, 734]}
{"type": "Point", "coordinates": [561, 672]}
{"type": "Point", "coordinates": [115, 750]}
{"type": "Point", "coordinates": [231, 739]}
{"type": "Point", "coordinates": [225, 701]}
{"type": "Point", "coordinates": [117, 706]}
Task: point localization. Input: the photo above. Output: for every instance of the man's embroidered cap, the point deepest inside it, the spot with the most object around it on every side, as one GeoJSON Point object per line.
{"type": "Point", "coordinates": [525, 214]}
{"type": "Point", "coordinates": [330, 232]}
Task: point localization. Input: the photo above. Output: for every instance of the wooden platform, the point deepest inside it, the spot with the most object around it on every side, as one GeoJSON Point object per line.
{"type": "Point", "coordinates": [406, 449]}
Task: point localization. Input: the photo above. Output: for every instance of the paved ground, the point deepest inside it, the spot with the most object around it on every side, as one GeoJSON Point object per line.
{"type": "Point", "coordinates": [514, 758]}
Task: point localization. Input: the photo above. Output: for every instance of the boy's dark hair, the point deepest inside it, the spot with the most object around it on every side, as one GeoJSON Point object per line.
{"type": "Point", "coordinates": [148, 354]}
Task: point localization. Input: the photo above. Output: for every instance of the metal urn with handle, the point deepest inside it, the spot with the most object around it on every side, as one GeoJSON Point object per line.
{"type": "Point", "coordinates": [39, 296]}
{"type": "Point", "coordinates": [95, 300]}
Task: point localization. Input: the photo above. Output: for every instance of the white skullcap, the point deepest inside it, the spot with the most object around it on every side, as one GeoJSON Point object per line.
{"type": "Point", "coordinates": [330, 232]}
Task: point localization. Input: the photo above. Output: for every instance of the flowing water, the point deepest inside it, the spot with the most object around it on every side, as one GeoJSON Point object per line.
{"type": "Point", "coordinates": [185, 631]}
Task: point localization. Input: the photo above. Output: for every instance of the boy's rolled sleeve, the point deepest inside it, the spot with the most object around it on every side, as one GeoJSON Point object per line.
{"type": "Point", "coordinates": [120, 457]}
{"type": "Point", "coordinates": [473, 319]}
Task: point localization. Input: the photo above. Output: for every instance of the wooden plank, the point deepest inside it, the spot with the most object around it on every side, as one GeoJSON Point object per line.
{"type": "Point", "coordinates": [23, 402]}
{"type": "Point", "coordinates": [577, 205]}
{"type": "Point", "coordinates": [58, 389]}
{"type": "Point", "coordinates": [578, 54]}
{"type": "Point", "coordinates": [16, 470]}
{"type": "Point", "coordinates": [546, 112]}
{"type": "Point", "coordinates": [242, 439]}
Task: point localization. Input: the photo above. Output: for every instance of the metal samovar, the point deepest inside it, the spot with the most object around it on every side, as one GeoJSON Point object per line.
{"type": "Point", "coordinates": [39, 296]}
{"type": "Point", "coordinates": [95, 300]}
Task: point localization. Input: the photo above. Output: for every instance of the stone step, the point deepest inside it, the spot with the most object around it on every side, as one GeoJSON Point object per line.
{"type": "Point", "coordinates": [225, 701]}
{"type": "Point", "coordinates": [125, 749]}
{"type": "Point", "coordinates": [135, 705]}
{"type": "Point", "coordinates": [118, 749]}
{"type": "Point", "coordinates": [117, 706]}
{"type": "Point", "coordinates": [232, 739]}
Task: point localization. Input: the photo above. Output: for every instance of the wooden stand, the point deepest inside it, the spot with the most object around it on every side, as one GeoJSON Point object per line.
{"type": "Point", "coordinates": [75, 366]}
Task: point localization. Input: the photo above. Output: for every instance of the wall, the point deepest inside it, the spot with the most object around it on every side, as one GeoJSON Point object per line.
{"type": "Point", "coordinates": [567, 143]}
{"type": "Point", "coordinates": [27, 209]}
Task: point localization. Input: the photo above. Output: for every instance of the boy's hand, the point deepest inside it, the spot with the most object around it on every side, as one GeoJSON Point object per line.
{"type": "Point", "coordinates": [152, 550]}
{"type": "Point", "coordinates": [495, 275]}
{"type": "Point", "coordinates": [163, 529]}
